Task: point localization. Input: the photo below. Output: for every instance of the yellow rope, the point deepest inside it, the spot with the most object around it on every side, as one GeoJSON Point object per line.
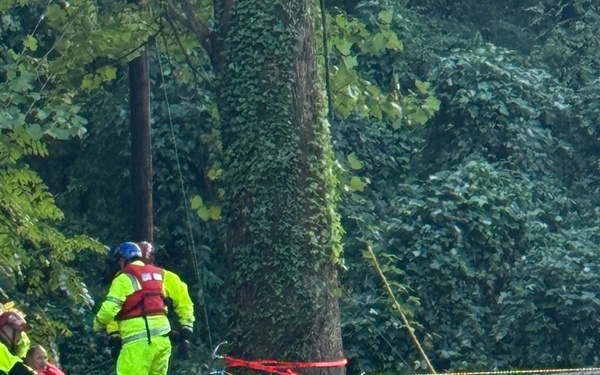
{"type": "Point", "coordinates": [410, 329]}
{"type": "Point", "coordinates": [508, 372]}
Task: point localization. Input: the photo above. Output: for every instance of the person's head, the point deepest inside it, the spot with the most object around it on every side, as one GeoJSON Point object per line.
{"type": "Point", "coordinates": [37, 358]}
{"type": "Point", "coordinates": [12, 323]}
{"type": "Point", "coordinates": [129, 251]}
{"type": "Point", "coordinates": [147, 251]}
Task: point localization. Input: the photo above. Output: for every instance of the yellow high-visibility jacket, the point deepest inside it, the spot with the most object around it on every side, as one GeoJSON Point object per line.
{"type": "Point", "coordinates": [135, 328]}
{"type": "Point", "coordinates": [9, 360]}
{"type": "Point", "coordinates": [23, 345]}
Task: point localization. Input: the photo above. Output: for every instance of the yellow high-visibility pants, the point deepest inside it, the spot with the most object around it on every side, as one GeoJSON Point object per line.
{"type": "Point", "coordinates": [140, 358]}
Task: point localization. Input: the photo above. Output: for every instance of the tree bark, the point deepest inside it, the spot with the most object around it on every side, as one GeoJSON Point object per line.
{"type": "Point", "coordinates": [141, 149]}
{"type": "Point", "coordinates": [282, 228]}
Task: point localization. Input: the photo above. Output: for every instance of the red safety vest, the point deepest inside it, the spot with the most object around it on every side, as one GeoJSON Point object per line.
{"type": "Point", "coordinates": [149, 300]}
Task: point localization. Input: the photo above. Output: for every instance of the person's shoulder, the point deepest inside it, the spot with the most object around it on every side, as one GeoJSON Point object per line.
{"type": "Point", "coordinates": [170, 274]}
{"type": "Point", "coordinates": [53, 370]}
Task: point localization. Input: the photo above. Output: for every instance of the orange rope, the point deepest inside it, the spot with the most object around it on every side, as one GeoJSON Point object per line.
{"type": "Point", "coordinates": [278, 367]}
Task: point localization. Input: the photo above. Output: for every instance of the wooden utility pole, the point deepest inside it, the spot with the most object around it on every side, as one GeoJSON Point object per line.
{"type": "Point", "coordinates": [141, 149]}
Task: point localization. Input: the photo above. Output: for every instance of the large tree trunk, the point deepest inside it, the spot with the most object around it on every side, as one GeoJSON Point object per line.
{"type": "Point", "coordinates": [283, 231]}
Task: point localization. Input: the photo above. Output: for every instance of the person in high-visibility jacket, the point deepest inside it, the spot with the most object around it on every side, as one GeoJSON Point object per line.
{"type": "Point", "coordinates": [12, 327]}
{"type": "Point", "coordinates": [136, 301]}
{"type": "Point", "coordinates": [112, 328]}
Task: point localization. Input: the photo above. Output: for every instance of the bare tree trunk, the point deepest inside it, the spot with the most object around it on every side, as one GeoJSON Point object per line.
{"type": "Point", "coordinates": [141, 149]}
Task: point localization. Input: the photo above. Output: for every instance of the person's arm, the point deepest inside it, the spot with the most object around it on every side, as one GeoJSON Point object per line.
{"type": "Point", "coordinates": [177, 291]}
{"type": "Point", "coordinates": [20, 369]}
{"type": "Point", "coordinates": [11, 364]}
{"type": "Point", "coordinates": [112, 328]}
{"type": "Point", "coordinates": [23, 345]}
{"type": "Point", "coordinates": [121, 287]}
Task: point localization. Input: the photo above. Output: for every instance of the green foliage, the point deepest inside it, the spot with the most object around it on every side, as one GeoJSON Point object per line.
{"type": "Point", "coordinates": [374, 336]}
{"type": "Point", "coordinates": [463, 230]}
{"type": "Point", "coordinates": [494, 107]}
{"type": "Point", "coordinates": [34, 254]}
{"type": "Point", "coordinates": [553, 298]}
{"type": "Point", "coordinates": [466, 223]}
{"type": "Point", "coordinates": [364, 75]}
{"type": "Point", "coordinates": [37, 258]}
{"type": "Point", "coordinates": [485, 218]}
{"type": "Point", "coordinates": [205, 212]}
{"type": "Point", "coordinates": [567, 30]}
{"type": "Point", "coordinates": [278, 177]}
{"type": "Point", "coordinates": [93, 41]}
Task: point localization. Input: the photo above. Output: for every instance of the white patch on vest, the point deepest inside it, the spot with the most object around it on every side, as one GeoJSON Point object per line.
{"type": "Point", "coordinates": [146, 276]}
{"type": "Point", "coordinates": [157, 276]}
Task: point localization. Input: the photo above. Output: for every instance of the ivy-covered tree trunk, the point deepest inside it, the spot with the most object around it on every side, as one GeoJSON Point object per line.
{"type": "Point", "coordinates": [283, 231]}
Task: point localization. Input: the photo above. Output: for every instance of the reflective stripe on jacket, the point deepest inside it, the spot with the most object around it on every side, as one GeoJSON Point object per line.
{"type": "Point", "coordinates": [124, 285]}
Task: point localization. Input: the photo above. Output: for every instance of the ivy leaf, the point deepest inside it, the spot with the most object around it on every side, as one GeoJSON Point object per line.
{"type": "Point", "coordinates": [196, 202]}
{"type": "Point", "coordinates": [108, 73]}
{"type": "Point", "coordinates": [341, 21]}
{"type": "Point", "coordinates": [422, 86]}
{"type": "Point", "coordinates": [343, 46]}
{"type": "Point", "coordinates": [420, 116]}
{"type": "Point", "coordinates": [433, 103]}
{"type": "Point", "coordinates": [215, 212]}
{"type": "Point", "coordinates": [393, 42]}
{"type": "Point", "coordinates": [21, 83]}
{"type": "Point", "coordinates": [204, 213]}
{"type": "Point", "coordinates": [378, 43]}
{"type": "Point", "coordinates": [356, 184]}
{"type": "Point", "coordinates": [353, 161]}
{"type": "Point", "coordinates": [385, 16]}
{"type": "Point", "coordinates": [350, 62]}
{"type": "Point", "coordinates": [30, 43]}
{"type": "Point", "coordinates": [479, 200]}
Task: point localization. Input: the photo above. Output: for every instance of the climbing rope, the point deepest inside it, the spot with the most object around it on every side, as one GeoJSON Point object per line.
{"type": "Point", "coordinates": [410, 330]}
{"type": "Point", "coordinates": [195, 261]}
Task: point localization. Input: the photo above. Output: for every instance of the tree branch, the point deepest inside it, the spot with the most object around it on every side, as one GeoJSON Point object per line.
{"type": "Point", "coordinates": [199, 28]}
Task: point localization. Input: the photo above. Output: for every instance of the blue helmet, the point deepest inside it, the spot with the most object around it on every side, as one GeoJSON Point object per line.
{"type": "Point", "coordinates": [129, 250]}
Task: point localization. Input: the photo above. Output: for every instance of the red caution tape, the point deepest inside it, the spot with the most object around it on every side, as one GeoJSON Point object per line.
{"type": "Point", "coordinates": [281, 368]}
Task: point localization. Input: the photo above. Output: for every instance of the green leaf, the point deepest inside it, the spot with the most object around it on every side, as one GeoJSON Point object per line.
{"type": "Point", "coordinates": [30, 43]}
{"type": "Point", "coordinates": [6, 4]}
{"type": "Point", "coordinates": [108, 72]}
{"type": "Point", "coordinates": [356, 184]}
{"type": "Point", "coordinates": [204, 213]}
{"type": "Point", "coordinates": [343, 46]}
{"type": "Point", "coordinates": [433, 103]}
{"type": "Point", "coordinates": [378, 44]}
{"type": "Point", "coordinates": [385, 16]}
{"type": "Point", "coordinates": [215, 212]}
{"type": "Point", "coordinates": [420, 116]}
{"type": "Point", "coordinates": [393, 43]}
{"type": "Point", "coordinates": [353, 161]}
{"type": "Point", "coordinates": [35, 131]}
{"type": "Point", "coordinates": [21, 83]}
{"type": "Point", "coordinates": [350, 62]}
{"type": "Point", "coordinates": [341, 21]}
{"type": "Point", "coordinates": [423, 87]}
{"type": "Point", "coordinates": [196, 202]}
